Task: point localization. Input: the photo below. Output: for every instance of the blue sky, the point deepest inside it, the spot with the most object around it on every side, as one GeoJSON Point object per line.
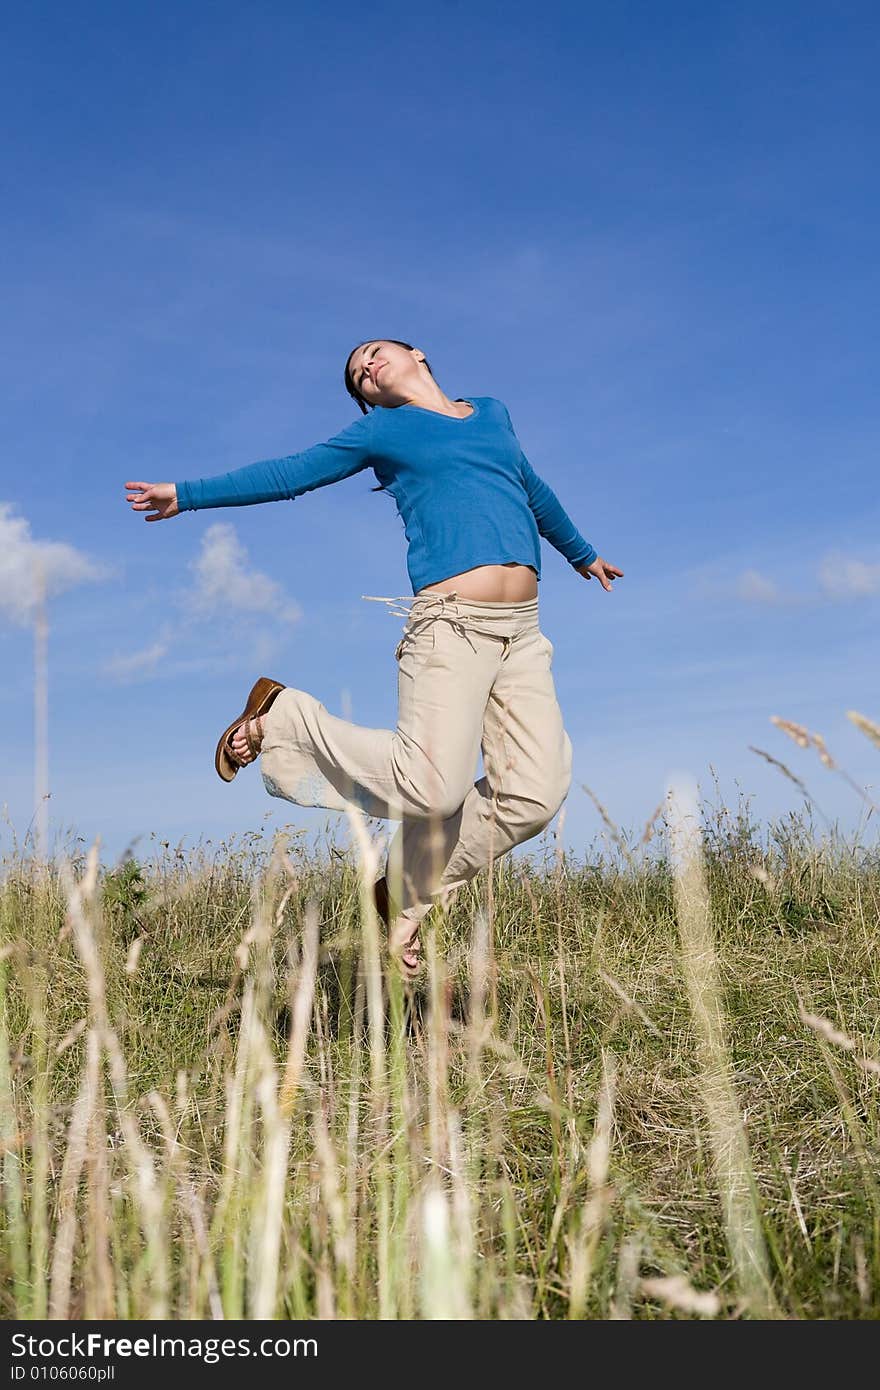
{"type": "Point", "coordinates": [650, 229]}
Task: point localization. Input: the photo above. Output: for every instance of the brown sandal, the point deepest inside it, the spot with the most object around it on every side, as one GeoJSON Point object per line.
{"type": "Point", "coordinates": [259, 702]}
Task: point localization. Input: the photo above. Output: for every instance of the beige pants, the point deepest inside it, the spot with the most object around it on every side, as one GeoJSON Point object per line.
{"type": "Point", "coordinates": [470, 676]}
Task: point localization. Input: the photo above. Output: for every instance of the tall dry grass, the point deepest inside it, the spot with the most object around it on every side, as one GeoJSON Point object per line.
{"type": "Point", "coordinates": [638, 1084]}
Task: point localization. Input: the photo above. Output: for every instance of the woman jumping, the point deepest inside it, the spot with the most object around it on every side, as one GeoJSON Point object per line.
{"type": "Point", "coordinates": [474, 668]}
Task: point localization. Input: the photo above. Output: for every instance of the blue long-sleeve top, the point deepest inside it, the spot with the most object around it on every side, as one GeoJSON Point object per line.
{"type": "Point", "coordinates": [464, 489]}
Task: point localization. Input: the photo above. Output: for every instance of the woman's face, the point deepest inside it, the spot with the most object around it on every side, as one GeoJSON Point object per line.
{"type": "Point", "coordinates": [383, 372]}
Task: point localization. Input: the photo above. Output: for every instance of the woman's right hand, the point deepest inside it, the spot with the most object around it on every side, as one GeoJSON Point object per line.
{"type": "Point", "coordinates": [159, 499]}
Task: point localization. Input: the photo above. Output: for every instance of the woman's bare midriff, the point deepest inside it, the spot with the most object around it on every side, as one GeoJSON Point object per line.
{"type": "Point", "coordinates": [508, 583]}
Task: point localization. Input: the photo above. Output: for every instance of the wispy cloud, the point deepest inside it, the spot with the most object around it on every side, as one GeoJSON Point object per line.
{"type": "Point", "coordinates": [755, 587]}
{"type": "Point", "coordinates": [30, 567]}
{"type": "Point", "coordinates": [137, 665]}
{"type": "Point", "coordinates": [842, 577]}
{"type": "Point", "coordinates": [839, 577]}
{"type": "Point", "coordinates": [224, 583]}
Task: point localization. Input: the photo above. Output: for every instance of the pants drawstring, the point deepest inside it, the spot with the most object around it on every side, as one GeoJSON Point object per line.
{"type": "Point", "coordinates": [435, 612]}
{"type": "Point", "coordinates": [433, 608]}
{"type": "Point", "coordinates": [398, 612]}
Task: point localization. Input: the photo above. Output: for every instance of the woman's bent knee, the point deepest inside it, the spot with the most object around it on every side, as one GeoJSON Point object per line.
{"type": "Point", "coordinates": [529, 814]}
{"type": "Point", "coordinates": [439, 805]}
{"type": "Point", "coordinates": [427, 791]}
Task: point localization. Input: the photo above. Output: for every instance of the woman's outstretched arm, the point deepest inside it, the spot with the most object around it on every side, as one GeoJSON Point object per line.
{"type": "Point", "coordinates": [557, 527]}
{"type": "Point", "coordinates": [271, 480]}
{"type": "Point", "coordinates": [555, 523]}
{"type": "Point", "coordinates": [553, 520]}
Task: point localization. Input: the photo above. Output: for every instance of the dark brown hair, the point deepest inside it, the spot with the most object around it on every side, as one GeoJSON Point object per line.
{"type": "Point", "coordinates": [349, 384]}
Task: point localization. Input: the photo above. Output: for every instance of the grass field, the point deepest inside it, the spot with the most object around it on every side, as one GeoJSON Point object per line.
{"type": "Point", "coordinates": [637, 1083]}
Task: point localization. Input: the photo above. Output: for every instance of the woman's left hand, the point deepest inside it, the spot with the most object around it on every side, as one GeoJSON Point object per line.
{"type": "Point", "coordinates": [604, 572]}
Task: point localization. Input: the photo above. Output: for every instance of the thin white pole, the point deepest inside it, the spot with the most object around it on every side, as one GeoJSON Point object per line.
{"type": "Point", "coordinates": [41, 720]}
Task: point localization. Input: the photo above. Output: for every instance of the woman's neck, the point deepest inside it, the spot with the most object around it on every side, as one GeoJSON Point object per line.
{"type": "Point", "coordinates": [458, 410]}
{"type": "Point", "coordinates": [432, 400]}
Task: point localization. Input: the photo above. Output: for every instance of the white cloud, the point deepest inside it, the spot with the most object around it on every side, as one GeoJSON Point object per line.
{"type": "Point", "coordinates": [28, 566]}
{"type": "Point", "coordinates": [754, 587]}
{"type": "Point", "coordinates": [137, 665]}
{"type": "Point", "coordinates": [844, 578]}
{"type": "Point", "coordinates": [224, 583]}
{"type": "Point", "coordinates": [839, 575]}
